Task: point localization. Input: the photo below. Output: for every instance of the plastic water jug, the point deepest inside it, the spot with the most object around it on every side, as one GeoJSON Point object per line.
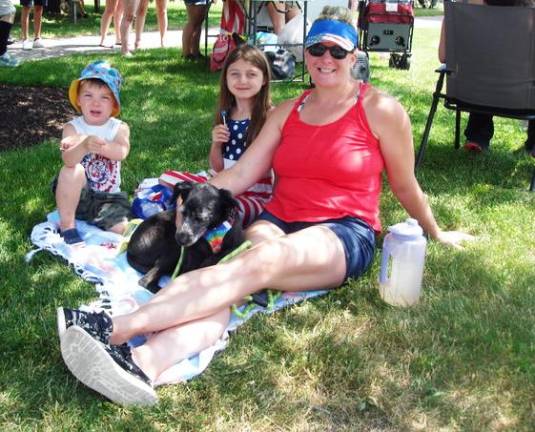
{"type": "Point", "coordinates": [402, 264]}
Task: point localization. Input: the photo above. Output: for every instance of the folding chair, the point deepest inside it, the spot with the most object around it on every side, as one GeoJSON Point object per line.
{"type": "Point", "coordinates": [490, 65]}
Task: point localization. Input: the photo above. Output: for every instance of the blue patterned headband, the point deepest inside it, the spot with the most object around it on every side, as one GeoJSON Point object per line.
{"type": "Point", "coordinates": [326, 30]}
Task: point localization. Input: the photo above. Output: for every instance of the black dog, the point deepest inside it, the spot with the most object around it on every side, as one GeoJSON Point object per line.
{"type": "Point", "coordinates": [203, 213]}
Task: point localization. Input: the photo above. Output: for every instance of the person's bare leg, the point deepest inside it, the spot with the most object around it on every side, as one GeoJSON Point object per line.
{"type": "Point", "coordinates": [292, 12]}
{"type": "Point", "coordinates": [141, 14]}
{"type": "Point", "coordinates": [313, 258]}
{"type": "Point", "coordinates": [24, 22]}
{"type": "Point", "coordinates": [117, 18]}
{"type": "Point", "coordinates": [69, 186]}
{"type": "Point", "coordinates": [105, 21]}
{"type": "Point", "coordinates": [277, 15]}
{"type": "Point", "coordinates": [200, 15]}
{"type": "Point", "coordinates": [164, 349]}
{"type": "Point", "coordinates": [130, 8]}
{"type": "Point", "coordinates": [187, 32]}
{"type": "Point", "coordinates": [37, 21]}
{"type": "Point", "coordinates": [119, 227]}
{"type": "Point", "coordinates": [161, 10]}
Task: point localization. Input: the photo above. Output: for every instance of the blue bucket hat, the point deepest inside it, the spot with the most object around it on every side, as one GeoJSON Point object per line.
{"type": "Point", "coordinates": [103, 71]}
{"type": "Point", "coordinates": [329, 30]}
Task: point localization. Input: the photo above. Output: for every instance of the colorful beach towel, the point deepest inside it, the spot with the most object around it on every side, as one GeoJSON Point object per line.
{"type": "Point", "coordinates": [116, 283]}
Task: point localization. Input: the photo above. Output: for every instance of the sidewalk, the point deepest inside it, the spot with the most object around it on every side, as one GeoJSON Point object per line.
{"type": "Point", "coordinates": [149, 40]}
{"type": "Point", "coordinates": [90, 45]}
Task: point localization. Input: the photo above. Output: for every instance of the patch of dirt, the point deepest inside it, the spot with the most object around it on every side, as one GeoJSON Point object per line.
{"type": "Point", "coordinates": [31, 115]}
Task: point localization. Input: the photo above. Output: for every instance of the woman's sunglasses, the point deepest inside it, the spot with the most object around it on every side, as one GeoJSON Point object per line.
{"type": "Point", "coordinates": [317, 50]}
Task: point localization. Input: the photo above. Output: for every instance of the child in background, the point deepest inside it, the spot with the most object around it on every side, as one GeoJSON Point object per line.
{"type": "Point", "coordinates": [93, 146]}
{"type": "Point", "coordinates": [38, 6]}
{"type": "Point", "coordinates": [7, 17]}
{"type": "Point", "coordinates": [244, 103]}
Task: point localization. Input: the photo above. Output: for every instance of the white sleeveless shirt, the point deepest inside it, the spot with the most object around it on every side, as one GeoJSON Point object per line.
{"type": "Point", "coordinates": [102, 174]}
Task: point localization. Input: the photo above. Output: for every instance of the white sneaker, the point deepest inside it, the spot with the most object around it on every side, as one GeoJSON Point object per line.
{"type": "Point", "coordinates": [38, 43]}
{"type": "Point", "coordinates": [107, 369]}
{"type": "Point", "coordinates": [27, 44]}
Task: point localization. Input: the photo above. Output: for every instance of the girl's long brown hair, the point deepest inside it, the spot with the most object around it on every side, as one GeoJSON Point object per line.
{"type": "Point", "coordinates": [262, 103]}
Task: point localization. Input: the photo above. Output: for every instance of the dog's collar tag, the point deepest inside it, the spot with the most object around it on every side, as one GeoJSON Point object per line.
{"type": "Point", "coordinates": [215, 236]}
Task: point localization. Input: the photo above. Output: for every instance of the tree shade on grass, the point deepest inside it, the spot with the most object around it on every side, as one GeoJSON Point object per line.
{"type": "Point", "coordinates": [462, 359]}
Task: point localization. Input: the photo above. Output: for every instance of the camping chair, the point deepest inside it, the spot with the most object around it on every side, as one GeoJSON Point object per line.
{"type": "Point", "coordinates": [490, 65]}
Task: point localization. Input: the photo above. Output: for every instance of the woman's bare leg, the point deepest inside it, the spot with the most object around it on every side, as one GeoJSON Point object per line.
{"type": "Point", "coordinates": [106, 18]}
{"type": "Point", "coordinates": [161, 10]}
{"type": "Point", "coordinates": [117, 19]}
{"type": "Point", "coordinates": [140, 21]}
{"type": "Point", "coordinates": [164, 349]}
{"type": "Point", "coordinates": [130, 8]}
{"type": "Point", "coordinates": [313, 258]}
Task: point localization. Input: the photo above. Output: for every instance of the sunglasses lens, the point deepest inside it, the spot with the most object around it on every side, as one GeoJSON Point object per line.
{"type": "Point", "coordinates": [337, 52]}
{"type": "Point", "coordinates": [317, 50]}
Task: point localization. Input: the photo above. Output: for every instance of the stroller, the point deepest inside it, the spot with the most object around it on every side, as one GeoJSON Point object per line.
{"type": "Point", "coordinates": [387, 26]}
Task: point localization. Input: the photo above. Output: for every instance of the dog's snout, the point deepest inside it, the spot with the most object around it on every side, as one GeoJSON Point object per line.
{"type": "Point", "coordinates": [186, 236]}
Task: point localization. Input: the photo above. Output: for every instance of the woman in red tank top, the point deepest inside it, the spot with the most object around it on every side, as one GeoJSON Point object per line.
{"type": "Point", "coordinates": [328, 149]}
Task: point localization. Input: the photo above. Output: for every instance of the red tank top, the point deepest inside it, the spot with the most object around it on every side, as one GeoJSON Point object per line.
{"type": "Point", "coordinates": [329, 171]}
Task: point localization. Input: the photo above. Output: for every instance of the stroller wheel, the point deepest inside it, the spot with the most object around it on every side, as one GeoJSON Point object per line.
{"type": "Point", "coordinates": [399, 61]}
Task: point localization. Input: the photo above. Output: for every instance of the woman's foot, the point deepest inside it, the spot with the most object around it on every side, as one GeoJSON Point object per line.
{"type": "Point", "coordinates": [107, 369]}
{"type": "Point", "coordinates": [98, 324]}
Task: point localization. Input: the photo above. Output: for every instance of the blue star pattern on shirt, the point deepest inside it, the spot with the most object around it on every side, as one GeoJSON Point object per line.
{"type": "Point", "coordinates": [235, 146]}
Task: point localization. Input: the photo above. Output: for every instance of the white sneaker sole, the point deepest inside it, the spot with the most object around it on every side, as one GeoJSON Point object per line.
{"type": "Point", "coordinates": [89, 362]}
{"type": "Point", "coordinates": [62, 325]}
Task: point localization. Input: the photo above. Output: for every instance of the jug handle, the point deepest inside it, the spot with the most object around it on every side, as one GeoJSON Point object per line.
{"type": "Point", "coordinates": [383, 276]}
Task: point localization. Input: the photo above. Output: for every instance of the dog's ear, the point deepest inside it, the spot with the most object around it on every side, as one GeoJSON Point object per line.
{"type": "Point", "coordinates": [228, 203]}
{"type": "Point", "coordinates": [181, 190]}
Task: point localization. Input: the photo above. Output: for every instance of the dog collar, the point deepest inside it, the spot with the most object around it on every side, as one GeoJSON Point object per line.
{"type": "Point", "coordinates": [215, 236]}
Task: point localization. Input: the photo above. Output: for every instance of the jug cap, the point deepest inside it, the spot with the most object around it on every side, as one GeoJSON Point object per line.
{"type": "Point", "coordinates": [409, 228]}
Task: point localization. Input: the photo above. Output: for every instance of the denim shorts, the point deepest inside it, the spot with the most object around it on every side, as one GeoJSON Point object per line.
{"type": "Point", "coordinates": [31, 3]}
{"type": "Point", "coordinates": [197, 2]}
{"type": "Point", "coordinates": [357, 237]}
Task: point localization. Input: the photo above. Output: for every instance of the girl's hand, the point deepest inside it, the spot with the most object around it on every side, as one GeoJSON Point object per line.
{"type": "Point", "coordinates": [220, 134]}
{"type": "Point", "coordinates": [454, 238]}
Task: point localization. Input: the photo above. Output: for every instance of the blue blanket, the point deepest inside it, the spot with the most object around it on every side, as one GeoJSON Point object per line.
{"type": "Point", "coordinates": [101, 263]}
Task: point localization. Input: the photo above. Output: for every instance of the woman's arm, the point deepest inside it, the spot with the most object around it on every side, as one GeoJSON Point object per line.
{"type": "Point", "coordinates": [390, 123]}
{"type": "Point", "coordinates": [256, 161]}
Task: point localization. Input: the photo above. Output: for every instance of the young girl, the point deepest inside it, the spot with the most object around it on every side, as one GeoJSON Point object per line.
{"type": "Point", "coordinates": [244, 103]}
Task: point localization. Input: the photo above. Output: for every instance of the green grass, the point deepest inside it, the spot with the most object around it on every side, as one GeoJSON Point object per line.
{"type": "Point", "coordinates": [460, 360]}
{"type": "Point", "coordinates": [61, 26]}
